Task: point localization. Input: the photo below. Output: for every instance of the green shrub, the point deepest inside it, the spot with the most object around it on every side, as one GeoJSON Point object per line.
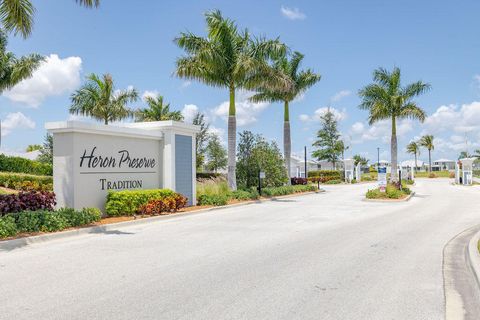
{"type": "Point", "coordinates": [29, 221]}
{"type": "Point", "coordinates": [22, 165]}
{"type": "Point", "coordinates": [53, 221]}
{"type": "Point", "coordinates": [79, 218]}
{"type": "Point", "coordinates": [284, 190]}
{"type": "Point", "coordinates": [127, 202]}
{"type": "Point", "coordinates": [26, 182]}
{"type": "Point", "coordinates": [244, 194]}
{"type": "Point", "coordinates": [7, 227]}
{"type": "Point", "coordinates": [212, 200]}
{"type": "Point", "coordinates": [335, 181]}
{"type": "Point", "coordinates": [391, 192]}
{"type": "Point", "coordinates": [209, 175]}
{"type": "Point", "coordinates": [49, 221]}
{"type": "Point", "coordinates": [212, 186]}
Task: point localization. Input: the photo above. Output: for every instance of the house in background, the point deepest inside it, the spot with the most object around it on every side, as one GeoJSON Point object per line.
{"type": "Point", "coordinates": [297, 166]}
{"type": "Point", "coordinates": [421, 166]}
{"type": "Point", "coordinates": [443, 164]}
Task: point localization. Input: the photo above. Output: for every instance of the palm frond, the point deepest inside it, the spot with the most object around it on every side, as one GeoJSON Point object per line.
{"type": "Point", "coordinates": [17, 16]}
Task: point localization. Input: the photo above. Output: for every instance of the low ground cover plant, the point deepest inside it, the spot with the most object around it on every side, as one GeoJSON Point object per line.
{"type": "Point", "coordinates": [11, 203]}
{"type": "Point", "coordinates": [323, 176]}
{"type": "Point", "coordinates": [46, 221]}
{"type": "Point", "coordinates": [128, 202]}
{"type": "Point", "coordinates": [26, 182]}
{"type": "Point", "coordinates": [392, 192]}
{"type": "Point", "coordinates": [22, 165]}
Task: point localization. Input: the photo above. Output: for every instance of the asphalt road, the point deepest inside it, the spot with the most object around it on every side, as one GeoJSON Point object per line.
{"type": "Point", "coordinates": [322, 256]}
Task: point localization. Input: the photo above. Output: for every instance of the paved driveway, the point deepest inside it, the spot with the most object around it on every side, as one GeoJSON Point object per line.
{"type": "Point", "coordinates": [322, 256]}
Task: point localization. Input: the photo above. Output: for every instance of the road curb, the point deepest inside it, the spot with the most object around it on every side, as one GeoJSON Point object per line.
{"type": "Point", "coordinates": [391, 200]}
{"type": "Point", "coordinates": [460, 280]}
{"type": "Point", "coordinates": [8, 245]}
{"type": "Point", "coordinates": [474, 256]}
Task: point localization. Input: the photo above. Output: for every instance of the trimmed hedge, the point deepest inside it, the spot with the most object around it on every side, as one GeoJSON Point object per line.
{"type": "Point", "coordinates": [212, 200]}
{"type": "Point", "coordinates": [281, 191]}
{"type": "Point", "coordinates": [46, 221]}
{"type": "Point", "coordinates": [244, 194]}
{"type": "Point", "coordinates": [10, 203]}
{"type": "Point", "coordinates": [22, 165]}
{"type": "Point", "coordinates": [26, 182]}
{"type": "Point", "coordinates": [128, 202]}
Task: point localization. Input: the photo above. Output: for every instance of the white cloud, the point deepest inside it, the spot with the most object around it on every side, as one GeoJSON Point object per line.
{"type": "Point", "coordinates": [292, 13]}
{"type": "Point", "coordinates": [246, 111]}
{"type": "Point", "coordinates": [464, 119]}
{"type": "Point", "coordinates": [147, 93]}
{"type": "Point", "coordinates": [189, 111]}
{"type": "Point", "coordinates": [340, 95]}
{"type": "Point", "coordinates": [16, 120]}
{"type": "Point", "coordinates": [54, 77]}
{"type": "Point", "coordinates": [339, 114]}
{"type": "Point", "coordinates": [360, 132]}
{"type": "Point", "coordinates": [219, 132]}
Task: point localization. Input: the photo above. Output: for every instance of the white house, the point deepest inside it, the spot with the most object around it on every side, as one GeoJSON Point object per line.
{"type": "Point", "coordinates": [443, 164]}
{"type": "Point", "coordinates": [297, 166]}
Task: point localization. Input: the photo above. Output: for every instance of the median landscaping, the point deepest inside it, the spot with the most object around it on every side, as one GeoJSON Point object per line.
{"type": "Point", "coordinates": [392, 192]}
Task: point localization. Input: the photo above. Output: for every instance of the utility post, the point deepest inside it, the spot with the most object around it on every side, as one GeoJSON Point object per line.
{"type": "Point", "coordinates": [305, 159]}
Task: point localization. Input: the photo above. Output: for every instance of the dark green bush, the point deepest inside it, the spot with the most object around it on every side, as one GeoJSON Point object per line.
{"type": "Point", "coordinates": [209, 175]}
{"type": "Point", "coordinates": [127, 202]}
{"type": "Point", "coordinates": [29, 221]}
{"type": "Point", "coordinates": [49, 221]}
{"type": "Point", "coordinates": [22, 165]}
{"type": "Point", "coordinates": [212, 200]}
{"type": "Point", "coordinates": [7, 227]}
{"type": "Point", "coordinates": [26, 182]}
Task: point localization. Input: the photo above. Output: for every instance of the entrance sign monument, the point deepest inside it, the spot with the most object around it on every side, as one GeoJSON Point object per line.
{"type": "Point", "coordinates": [382, 179]}
{"type": "Point", "coordinates": [91, 159]}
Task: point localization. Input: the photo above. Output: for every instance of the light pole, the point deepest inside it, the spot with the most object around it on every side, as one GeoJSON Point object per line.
{"type": "Point", "coordinates": [305, 158]}
{"type": "Point", "coordinates": [378, 157]}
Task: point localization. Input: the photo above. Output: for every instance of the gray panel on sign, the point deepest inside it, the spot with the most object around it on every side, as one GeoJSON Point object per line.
{"type": "Point", "coordinates": [183, 166]}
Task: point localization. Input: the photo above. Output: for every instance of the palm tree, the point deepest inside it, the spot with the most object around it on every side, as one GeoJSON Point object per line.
{"type": "Point", "coordinates": [14, 69]}
{"type": "Point", "coordinates": [157, 111]}
{"type": "Point", "coordinates": [387, 99]}
{"type": "Point", "coordinates": [98, 99]}
{"type": "Point", "coordinates": [300, 81]}
{"type": "Point", "coordinates": [477, 153]}
{"type": "Point", "coordinates": [17, 15]}
{"type": "Point", "coordinates": [427, 142]}
{"type": "Point", "coordinates": [232, 59]}
{"type": "Point", "coordinates": [414, 148]}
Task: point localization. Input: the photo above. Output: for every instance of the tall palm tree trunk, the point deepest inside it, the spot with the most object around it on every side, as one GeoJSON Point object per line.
{"type": "Point", "coordinates": [287, 142]}
{"type": "Point", "coordinates": [429, 160]}
{"type": "Point", "coordinates": [416, 166]}
{"type": "Point", "coordinates": [393, 146]}
{"type": "Point", "coordinates": [232, 142]}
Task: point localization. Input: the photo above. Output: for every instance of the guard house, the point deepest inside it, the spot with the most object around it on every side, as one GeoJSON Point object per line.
{"type": "Point", "coordinates": [91, 159]}
{"type": "Point", "coordinates": [464, 171]}
{"type": "Point", "coordinates": [348, 164]}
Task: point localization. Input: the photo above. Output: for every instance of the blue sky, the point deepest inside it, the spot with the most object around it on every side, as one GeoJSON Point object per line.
{"type": "Point", "coordinates": [434, 41]}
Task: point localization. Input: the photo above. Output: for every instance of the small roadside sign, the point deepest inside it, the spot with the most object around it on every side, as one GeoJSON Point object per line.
{"type": "Point", "coordinates": [262, 175]}
{"type": "Point", "coordinates": [382, 179]}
